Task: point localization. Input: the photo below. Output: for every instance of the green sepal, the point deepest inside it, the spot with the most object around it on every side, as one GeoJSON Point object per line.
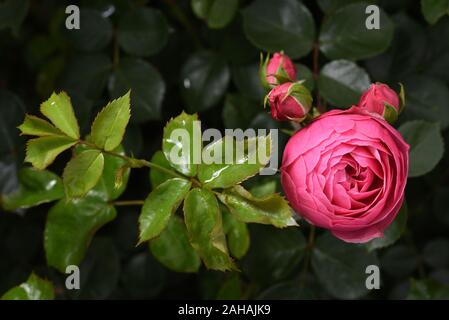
{"type": "Point", "coordinates": [263, 70]}
{"type": "Point", "coordinates": [401, 98]}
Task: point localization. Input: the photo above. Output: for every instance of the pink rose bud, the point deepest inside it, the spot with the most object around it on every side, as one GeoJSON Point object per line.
{"type": "Point", "coordinates": [277, 70]}
{"type": "Point", "coordinates": [346, 172]}
{"type": "Point", "coordinates": [290, 101]}
{"type": "Point", "coordinates": [381, 100]}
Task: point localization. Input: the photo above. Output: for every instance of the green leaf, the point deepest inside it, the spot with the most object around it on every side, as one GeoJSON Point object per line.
{"type": "Point", "coordinates": [280, 25]}
{"type": "Point", "coordinates": [433, 10]}
{"type": "Point", "coordinates": [106, 187]}
{"type": "Point", "coordinates": [392, 233]}
{"type": "Point", "coordinates": [156, 176]}
{"type": "Point", "coordinates": [264, 187]}
{"type": "Point", "coordinates": [328, 6]}
{"type": "Point", "coordinates": [182, 143]}
{"type": "Point", "coordinates": [58, 108]}
{"type": "Point", "coordinates": [237, 235]}
{"type": "Point", "coordinates": [200, 7]}
{"type": "Point", "coordinates": [437, 51]}
{"type": "Point", "coordinates": [204, 79]}
{"type": "Point", "coordinates": [399, 261]}
{"type": "Point", "coordinates": [108, 181]}
{"type": "Point", "coordinates": [341, 82]}
{"type": "Point", "coordinates": [41, 47]}
{"type": "Point", "coordinates": [246, 161]}
{"type": "Point", "coordinates": [405, 54]}
{"type": "Point", "coordinates": [142, 31]}
{"type": "Point", "coordinates": [12, 110]}
{"type": "Point", "coordinates": [12, 14]}
{"type": "Point", "coordinates": [210, 282]}
{"type": "Point", "coordinates": [159, 206]}
{"type": "Point", "coordinates": [35, 126]}
{"type": "Point", "coordinates": [221, 13]}
{"type": "Point", "coordinates": [204, 225]}
{"type": "Point", "coordinates": [304, 73]}
{"type": "Point", "coordinates": [41, 152]}
{"type": "Point", "coordinates": [272, 209]}
{"type": "Point", "coordinates": [217, 13]}
{"type": "Point", "coordinates": [110, 124]}
{"type": "Point", "coordinates": [340, 267]}
{"type": "Point", "coordinates": [234, 38]}
{"type": "Point", "coordinates": [427, 289]}
{"type": "Point", "coordinates": [48, 75]}
{"type": "Point", "coordinates": [9, 181]}
{"type": "Point", "coordinates": [85, 77]}
{"type": "Point", "coordinates": [36, 187]}
{"type": "Point", "coordinates": [172, 248]}
{"type": "Point", "coordinates": [231, 288]}
{"type": "Point", "coordinates": [70, 227]}
{"type": "Point", "coordinates": [239, 111]}
{"type": "Point", "coordinates": [247, 80]}
{"type": "Point", "coordinates": [264, 120]}
{"type": "Point", "coordinates": [94, 34]}
{"type": "Point", "coordinates": [427, 100]}
{"type": "Point", "coordinates": [99, 271]}
{"type": "Point", "coordinates": [274, 254]}
{"type": "Point", "coordinates": [344, 34]}
{"type": "Point", "coordinates": [82, 173]}
{"type": "Point", "coordinates": [426, 146]}
{"type": "Point", "coordinates": [146, 85]}
{"type": "Point", "coordinates": [34, 288]}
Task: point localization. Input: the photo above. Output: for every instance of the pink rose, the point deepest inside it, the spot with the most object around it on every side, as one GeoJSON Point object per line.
{"type": "Point", "coordinates": [290, 101]}
{"type": "Point", "coordinates": [380, 100]}
{"type": "Point", "coordinates": [346, 172]}
{"type": "Point", "coordinates": [279, 67]}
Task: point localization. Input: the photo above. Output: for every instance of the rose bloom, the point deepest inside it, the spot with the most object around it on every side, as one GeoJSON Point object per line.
{"type": "Point", "coordinates": [346, 172]}
{"type": "Point", "coordinates": [289, 101]}
{"type": "Point", "coordinates": [376, 96]}
{"type": "Point", "coordinates": [280, 64]}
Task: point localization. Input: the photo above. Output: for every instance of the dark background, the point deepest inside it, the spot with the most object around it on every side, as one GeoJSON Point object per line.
{"type": "Point", "coordinates": [38, 56]}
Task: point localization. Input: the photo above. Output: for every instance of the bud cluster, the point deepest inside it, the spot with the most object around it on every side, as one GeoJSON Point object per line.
{"type": "Point", "coordinates": [289, 99]}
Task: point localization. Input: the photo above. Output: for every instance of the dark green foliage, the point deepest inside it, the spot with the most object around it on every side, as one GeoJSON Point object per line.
{"type": "Point", "coordinates": [203, 56]}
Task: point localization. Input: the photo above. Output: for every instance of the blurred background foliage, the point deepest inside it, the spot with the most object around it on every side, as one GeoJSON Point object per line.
{"type": "Point", "coordinates": [203, 56]}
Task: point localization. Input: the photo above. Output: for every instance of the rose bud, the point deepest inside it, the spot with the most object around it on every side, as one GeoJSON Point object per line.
{"type": "Point", "coordinates": [277, 70]}
{"type": "Point", "coordinates": [380, 100]}
{"type": "Point", "coordinates": [290, 101]}
{"type": "Point", "coordinates": [346, 172]}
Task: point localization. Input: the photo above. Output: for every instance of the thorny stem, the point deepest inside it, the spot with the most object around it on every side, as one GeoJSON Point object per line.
{"type": "Point", "coordinates": [311, 241]}
{"type": "Point", "coordinates": [308, 253]}
{"type": "Point", "coordinates": [128, 203]}
{"type": "Point", "coordinates": [162, 169]}
{"type": "Point", "coordinates": [315, 71]}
